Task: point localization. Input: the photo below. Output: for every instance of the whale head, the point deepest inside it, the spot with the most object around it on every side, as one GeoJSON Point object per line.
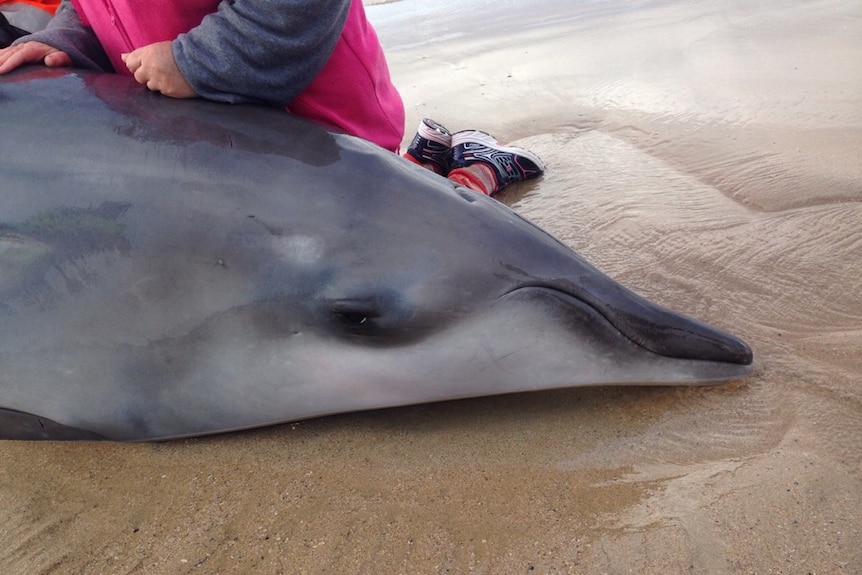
{"type": "Point", "coordinates": [191, 268]}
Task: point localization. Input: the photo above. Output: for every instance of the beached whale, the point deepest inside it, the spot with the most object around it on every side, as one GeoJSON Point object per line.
{"type": "Point", "coordinates": [176, 268]}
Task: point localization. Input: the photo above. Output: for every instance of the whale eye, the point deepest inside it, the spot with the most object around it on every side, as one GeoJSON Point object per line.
{"type": "Point", "coordinates": [379, 318]}
{"type": "Point", "coordinates": [356, 315]}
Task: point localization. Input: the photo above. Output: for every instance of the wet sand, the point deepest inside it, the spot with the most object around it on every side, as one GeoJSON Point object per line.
{"type": "Point", "coordinates": [707, 155]}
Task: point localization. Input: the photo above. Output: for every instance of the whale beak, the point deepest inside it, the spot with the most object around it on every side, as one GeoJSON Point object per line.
{"type": "Point", "coordinates": [651, 326]}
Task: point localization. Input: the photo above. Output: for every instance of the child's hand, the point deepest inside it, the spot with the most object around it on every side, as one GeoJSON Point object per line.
{"type": "Point", "coordinates": [154, 67]}
{"type": "Point", "coordinates": [30, 52]}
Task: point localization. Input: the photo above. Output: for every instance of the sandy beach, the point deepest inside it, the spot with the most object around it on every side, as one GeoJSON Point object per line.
{"type": "Point", "coordinates": [707, 155]}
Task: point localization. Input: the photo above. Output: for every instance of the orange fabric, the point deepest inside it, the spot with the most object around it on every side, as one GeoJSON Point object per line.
{"type": "Point", "coordinates": [431, 167]}
{"type": "Point", "coordinates": [49, 6]}
{"type": "Point", "coordinates": [477, 177]}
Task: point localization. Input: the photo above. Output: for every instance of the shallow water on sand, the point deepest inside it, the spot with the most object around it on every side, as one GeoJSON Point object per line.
{"type": "Point", "coordinates": [708, 156]}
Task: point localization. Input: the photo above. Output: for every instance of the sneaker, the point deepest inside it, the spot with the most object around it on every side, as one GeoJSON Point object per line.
{"type": "Point", "coordinates": [432, 144]}
{"type": "Point", "coordinates": [510, 164]}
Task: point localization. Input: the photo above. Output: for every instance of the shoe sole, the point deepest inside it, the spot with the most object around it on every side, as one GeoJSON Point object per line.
{"type": "Point", "coordinates": [429, 133]}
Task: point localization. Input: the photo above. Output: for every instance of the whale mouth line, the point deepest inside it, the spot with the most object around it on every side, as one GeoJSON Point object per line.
{"type": "Point", "coordinates": [23, 426]}
{"type": "Point", "coordinates": [575, 299]}
{"type": "Point", "coordinates": [651, 327]}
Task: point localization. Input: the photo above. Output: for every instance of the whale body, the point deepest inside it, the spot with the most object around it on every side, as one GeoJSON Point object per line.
{"type": "Point", "coordinates": [178, 268]}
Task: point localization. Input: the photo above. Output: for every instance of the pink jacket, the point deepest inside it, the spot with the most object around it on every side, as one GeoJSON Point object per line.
{"type": "Point", "coordinates": [353, 92]}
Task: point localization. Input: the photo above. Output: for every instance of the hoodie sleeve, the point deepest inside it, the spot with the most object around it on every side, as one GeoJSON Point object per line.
{"type": "Point", "coordinates": [260, 50]}
{"type": "Point", "coordinates": [66, 32]}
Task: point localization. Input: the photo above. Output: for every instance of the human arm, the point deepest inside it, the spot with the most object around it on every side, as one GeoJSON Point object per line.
{"type": "Point", "coordinates": [64, 42]}
{"type": "Point", "coordinates": [260, 50]}
{"type": "Point", "coordinates": [154, 67]}
{"type": "Point", "coordinates": [28, 52]}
